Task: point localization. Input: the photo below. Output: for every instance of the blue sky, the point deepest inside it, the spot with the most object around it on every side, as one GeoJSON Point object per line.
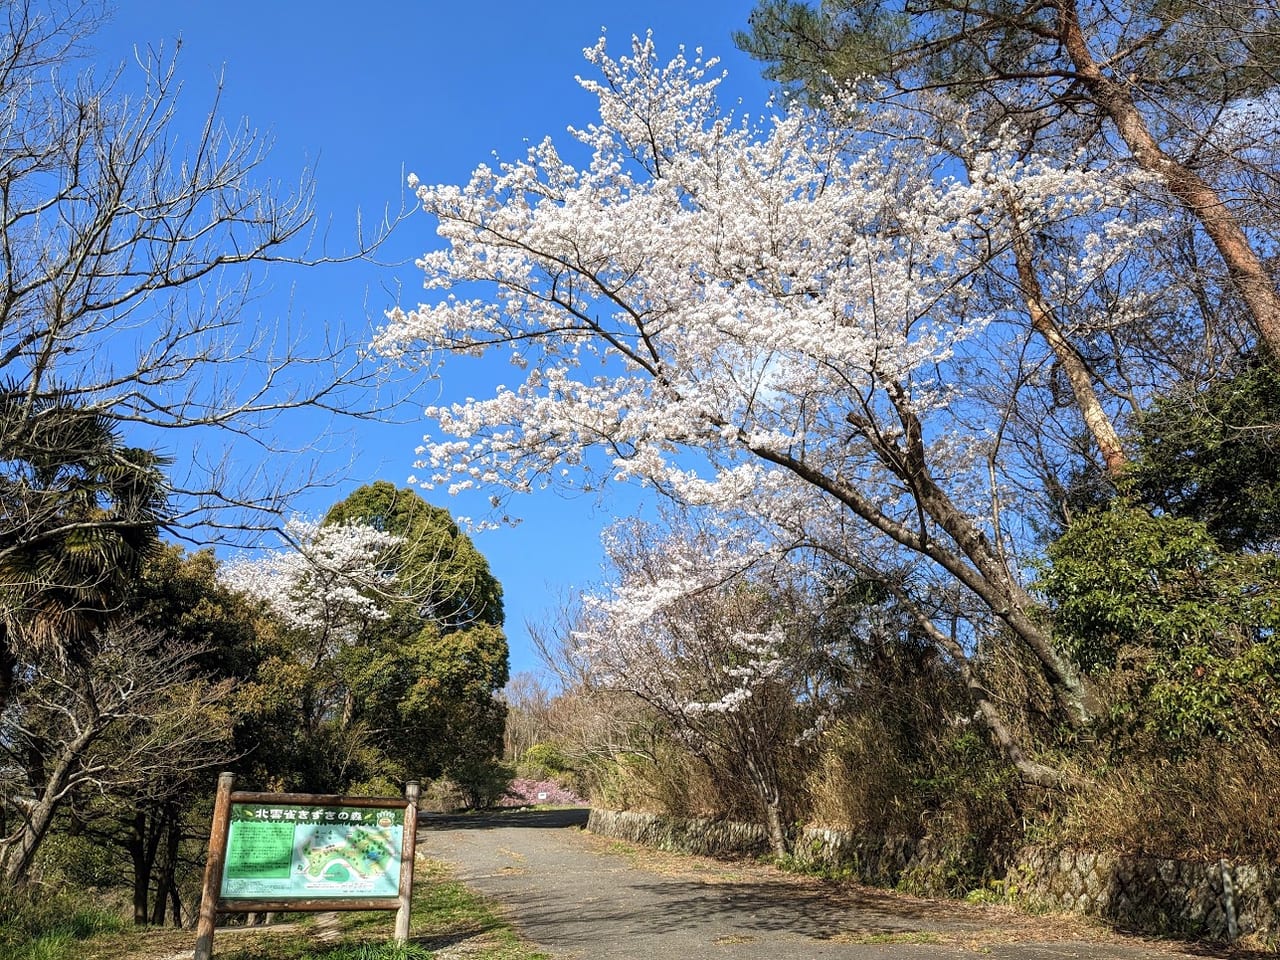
{"type": "Point", "coordinates": [367, 92]}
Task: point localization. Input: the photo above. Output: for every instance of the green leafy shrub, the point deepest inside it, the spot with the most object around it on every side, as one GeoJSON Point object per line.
{"type": "Point", "coordinates": [1186, 630]}
{"type": "Point", "coordinates": [544, 761]}
{"type": "Point", "coordinates": [483, 780]}
{"type": "Point", "coordinates": [1210, 454]}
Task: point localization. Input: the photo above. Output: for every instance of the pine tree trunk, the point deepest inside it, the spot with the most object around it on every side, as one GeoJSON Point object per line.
{"type": "Point", "coordinates": [1069, 358]}
{"type": "Point", "coordinates": [1252, 280]}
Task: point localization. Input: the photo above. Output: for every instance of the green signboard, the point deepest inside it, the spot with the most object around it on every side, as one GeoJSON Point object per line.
{"type": "Point", "coordinates": [279, 852]}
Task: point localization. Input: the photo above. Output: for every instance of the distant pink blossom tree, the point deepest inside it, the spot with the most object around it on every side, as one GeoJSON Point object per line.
{"type": "Point", "coordinates": [523, 792]}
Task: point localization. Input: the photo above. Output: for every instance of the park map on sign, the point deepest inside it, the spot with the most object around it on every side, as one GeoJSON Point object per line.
{"type": "Point", "coordinates": [311, 852]}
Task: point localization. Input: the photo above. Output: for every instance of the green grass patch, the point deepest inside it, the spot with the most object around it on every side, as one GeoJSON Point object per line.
{"type": "Point", "coordinates": [289, 949]}
{"type": "Point", "coordinates": [907, 936]}
{"type": "Point", "coordinates": [37, 925]}
{"type": "Point", "coordinates": [445, 914]}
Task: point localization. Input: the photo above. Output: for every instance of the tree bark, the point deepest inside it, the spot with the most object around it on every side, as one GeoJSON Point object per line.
{"type": "Point", "coordinates": [141, 846]}
{"type": "Point", "coordinates": [1256, 286]}
{"type": "Point", "coordinates": [975, 566]}
{"type": "Point", "coordinates": [19, 853]}
{"type": "Point", "coordinates": [169, 824]}
{"type": "Point", "coordinates": [8, 669]}
{"type": "Point", "coordinates": [777, 832]}
{"type": "Point", "coordinates": [770, 797]}
{"type": "Point", "coordinates": [1073, 365]}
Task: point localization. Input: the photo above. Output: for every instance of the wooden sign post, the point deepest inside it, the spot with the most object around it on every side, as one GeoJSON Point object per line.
{"type": "Point", "coordinates": [297, 851]}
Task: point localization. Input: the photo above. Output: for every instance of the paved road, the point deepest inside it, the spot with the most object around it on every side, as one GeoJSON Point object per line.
{"type": "Point", "coordinates": [582, 897]}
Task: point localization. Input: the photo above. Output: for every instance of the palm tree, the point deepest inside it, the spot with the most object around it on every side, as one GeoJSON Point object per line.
{"type": "Point", "coordinates": [79, 512]}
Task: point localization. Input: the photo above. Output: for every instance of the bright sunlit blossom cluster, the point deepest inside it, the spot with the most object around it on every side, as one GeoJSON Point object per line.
{"type": "Point", "coordinates": [328, 581]}
{"type": "Point", "coordinates": [740, 288]}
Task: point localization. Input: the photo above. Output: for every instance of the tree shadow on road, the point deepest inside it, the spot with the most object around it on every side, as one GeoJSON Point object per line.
{"type": "Point", "coordinates": [735, 908]}
{"type": "Point", "coordinates": [792, 921]}
{"type": "Point", "coordinates": [593, 897]}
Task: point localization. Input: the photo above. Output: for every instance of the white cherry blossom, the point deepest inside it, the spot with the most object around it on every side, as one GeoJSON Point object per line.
{"type": "Point", "coordinates": [803, 321]}
{"type": "Point", "coordinates": [328, 581]}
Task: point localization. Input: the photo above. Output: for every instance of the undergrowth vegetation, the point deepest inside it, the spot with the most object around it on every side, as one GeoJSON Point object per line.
{"type": "Point", "coordinates": [38, 926]}
{"type": "Point", "coordinates": [1217, 800]}
{"type": "Point", "coordinates": [1171, 770]}
{"type": "Point", "coordinates": [35, 925]}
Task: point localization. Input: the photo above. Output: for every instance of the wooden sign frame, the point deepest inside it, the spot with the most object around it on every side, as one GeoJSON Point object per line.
{"type": "Point", "coordinates": [213, 903]}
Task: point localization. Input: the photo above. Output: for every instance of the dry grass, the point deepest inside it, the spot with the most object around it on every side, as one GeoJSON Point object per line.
{"type": "Point", "coordinates": [1221, 800]}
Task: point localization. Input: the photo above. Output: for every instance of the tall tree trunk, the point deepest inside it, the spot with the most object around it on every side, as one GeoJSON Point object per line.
{"type": "Point", "coordinates": [8, 670]}
{"type": "Point", "coordinates": [1256, 286]}
{"type": "Point", "coordinates": [994, 582]}
{"type": "Point", "coordinates": [170, 826]}
{"type": "Point", "coordinates": [765, 781]}
{"type": "Point", "coordinates": [1073, 365]}
{"type": "Point", "coordinates": [18, 854]}
{"type": "Point", "coordinates": [141, 853]}
{"type": "Point", "coordinates": [175, 905]}
{"type": "Point", "coordinates": [775, 828]}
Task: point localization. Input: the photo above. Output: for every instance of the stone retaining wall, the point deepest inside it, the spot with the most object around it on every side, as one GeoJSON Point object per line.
{"type": "Point", "coordinates": [1215, 901]}
{"type": "Point", "coordinates": [878, 861]}
{"type": "Point", "coordinates": [708, 838]}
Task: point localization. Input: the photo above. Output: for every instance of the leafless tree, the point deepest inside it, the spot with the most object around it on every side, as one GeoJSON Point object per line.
{"type": "Point", "coordinates": [131, 714]}
{"type": "Point", "coordinates": [131, 263]}
{"type": "Point", "coordinates": [528, 713]}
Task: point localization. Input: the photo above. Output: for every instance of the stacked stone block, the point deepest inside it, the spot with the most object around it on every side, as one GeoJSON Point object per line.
{"type": "Point", "coordinates": [1215, 901]}
{"type": "Point", "coordinates": [878, 861]}
{"type": "Point", "coordinates": [711, 838]}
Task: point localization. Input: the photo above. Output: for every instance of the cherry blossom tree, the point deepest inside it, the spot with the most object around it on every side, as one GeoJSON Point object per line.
{"type": "Point", "coordinates": [329, 581]}
{"type": "Point", "coordinates": [1185, 90]}
{"type": "Point", "coordinates": [805, 322]}
{"type": "Point", "coordinates": [387, 626]}
{"type": "Point", "coordinates": [326, 587]}
{"type": "Point", "coordinates": [727, 656]}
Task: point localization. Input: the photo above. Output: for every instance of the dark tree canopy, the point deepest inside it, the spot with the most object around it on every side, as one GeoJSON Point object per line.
{"type": "Point", "coordinates": [79, 513]}
{"type": "Point", "coordinates": [430, 674]}
{"type": "Point", "coordinates": [438, 564]}
{"type": "Point", "coordinates": [1211, 454]}
{"type": "Point", "coordinates": [1168, 52]}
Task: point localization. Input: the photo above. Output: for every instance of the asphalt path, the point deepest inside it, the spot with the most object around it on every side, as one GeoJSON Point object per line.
{"type": "Point", "coordinates": [583, 897]}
